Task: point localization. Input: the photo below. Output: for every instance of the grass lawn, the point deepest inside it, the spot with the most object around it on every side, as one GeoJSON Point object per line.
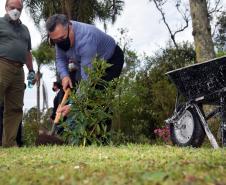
{"type": "Point", "coordinates": [132, 164]}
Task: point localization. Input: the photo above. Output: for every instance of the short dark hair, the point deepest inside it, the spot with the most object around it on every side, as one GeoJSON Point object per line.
{"type": "Point", "coordinates": [56, 19]}
{"type": "Point", "coordinates": [57, 84]}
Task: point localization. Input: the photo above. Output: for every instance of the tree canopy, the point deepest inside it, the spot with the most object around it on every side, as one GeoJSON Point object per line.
{"type": "Point", "coordinates": [80, 10]}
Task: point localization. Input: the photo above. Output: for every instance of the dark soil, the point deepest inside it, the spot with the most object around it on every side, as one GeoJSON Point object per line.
{"type": "Point", "coordinates": [45, 139]}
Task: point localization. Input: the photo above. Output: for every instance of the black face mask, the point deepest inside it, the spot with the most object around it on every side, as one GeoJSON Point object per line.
{"type": "Point", "coordinates": [65, 44]}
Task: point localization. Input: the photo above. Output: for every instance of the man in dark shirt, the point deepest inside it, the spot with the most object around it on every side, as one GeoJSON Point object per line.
{"type": "Point", "coordinates": [14, 53]}
{"type": "Point", "coordinates": [57, 87]}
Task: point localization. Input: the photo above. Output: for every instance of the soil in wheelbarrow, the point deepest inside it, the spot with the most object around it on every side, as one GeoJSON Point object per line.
{"type": "Point", "coordinates": [45, 139]}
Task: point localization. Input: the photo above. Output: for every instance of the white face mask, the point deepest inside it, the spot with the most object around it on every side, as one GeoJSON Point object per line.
{"type": "Point", "coordinates": [14, 14]}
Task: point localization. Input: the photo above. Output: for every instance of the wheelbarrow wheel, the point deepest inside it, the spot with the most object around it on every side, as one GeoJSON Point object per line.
{"type": "Point", "coordinates": [188, 130]}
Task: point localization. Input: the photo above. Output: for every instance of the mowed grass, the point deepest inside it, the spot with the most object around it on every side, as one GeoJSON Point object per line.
{"type": "Point", "coordinates": [131, 164]}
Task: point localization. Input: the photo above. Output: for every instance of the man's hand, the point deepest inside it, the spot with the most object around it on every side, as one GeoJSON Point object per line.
{"type": "Point", "coordinates": [30, 77]}
{"type": "Point", "coordinates": [64, 110]}
{"type": "Point", "coordinates": [66, 83]}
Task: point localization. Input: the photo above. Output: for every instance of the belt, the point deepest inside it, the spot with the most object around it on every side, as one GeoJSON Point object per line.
{"type": "Point", "coordinates": [11, 62]}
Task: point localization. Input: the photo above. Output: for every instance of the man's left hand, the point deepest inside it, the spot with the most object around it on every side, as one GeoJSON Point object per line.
{"type": "Point", "coordinates": [31, 75]}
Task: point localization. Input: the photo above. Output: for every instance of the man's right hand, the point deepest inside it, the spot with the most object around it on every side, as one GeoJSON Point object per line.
{"type": "Point", "coordinates": [64, 110]}
{"type": "Point", "coordinates": [66, 83]}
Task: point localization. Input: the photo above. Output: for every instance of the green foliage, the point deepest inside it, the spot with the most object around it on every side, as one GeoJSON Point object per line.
{"type": "Point", "coordinates": [131, 60]}
{"type": "Point", "coordinates": [221, 53]}
{"type": "Point", "coordinates": [132, 114]}
{"type": "Point", "coordinates": [146, 97]}
{"type": "Point", "coordinates": [30, 133]}
{"type": "Point", "coordinates": [84, 11]}
{"type": "Point", "coordinates": [91, 108]}
{"type": "Point", "coordinates": [44, 54]}
{"type": "Point", "coordinates": [119, 138]}
{"type": "Point", "coordinates": [45, 119]}
{"type": "Point", "coordinates": [31, 127]}
{"type": "Point", "coordinates": [220, 38]}
{"type": "Point", "coordinates": [162, 91]}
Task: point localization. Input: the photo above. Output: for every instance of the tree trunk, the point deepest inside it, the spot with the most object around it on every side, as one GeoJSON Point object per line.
{"type": "Point", "coordinates": [38, 95]}
{"type": "Point", "coordinates": [67, 8]}
{"type": "Point", "coordinates": [201, 30]}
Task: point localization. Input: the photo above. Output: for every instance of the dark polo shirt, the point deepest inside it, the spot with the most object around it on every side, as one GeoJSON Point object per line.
{"type": "Point", "coordinates": [15, 40]}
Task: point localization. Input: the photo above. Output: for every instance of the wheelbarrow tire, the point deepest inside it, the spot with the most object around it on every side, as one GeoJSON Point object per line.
{"type": "Point", "coordinates": [195, 132]}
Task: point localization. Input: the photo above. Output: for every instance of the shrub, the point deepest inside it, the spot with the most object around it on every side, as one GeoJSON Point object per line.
{"type": "Point", "coordinates": [163, 134]}
{"type": "Point", "coordinates": [31, 127]}
{"type": "Point", "coordinates": [30, 133]}
{"type": "Point", "coordinates": [91, 109]}
{"type": "Point", "coordinates": [145, 96]}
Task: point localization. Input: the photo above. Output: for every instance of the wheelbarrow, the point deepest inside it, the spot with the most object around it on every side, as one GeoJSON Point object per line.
{"type": "Point", "coordinates": [197, 85]}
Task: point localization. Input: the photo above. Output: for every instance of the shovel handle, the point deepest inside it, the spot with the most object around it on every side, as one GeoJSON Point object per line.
{"type": "Point", "coordinates": [63, 102]}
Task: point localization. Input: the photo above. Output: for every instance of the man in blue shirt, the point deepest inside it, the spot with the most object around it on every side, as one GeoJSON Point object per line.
{"type": "Point", "coordinates": [82, 42]}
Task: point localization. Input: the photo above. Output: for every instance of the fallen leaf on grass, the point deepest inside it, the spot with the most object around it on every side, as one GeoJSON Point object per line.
{"type": "Point", "coordinates": [185, 162]}
{"type": "Point", "coordinates": [61, 177]}
{"type": "Point", "coordinates": [80, 165]}
{"type": "Point", "coordinates": [76, 167]}
{"type": "Point", "coordinates": [190, 178]}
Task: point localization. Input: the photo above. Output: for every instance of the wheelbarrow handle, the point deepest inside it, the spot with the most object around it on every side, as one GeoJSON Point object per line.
{"type": "Point", "coordinates": [63, 102]}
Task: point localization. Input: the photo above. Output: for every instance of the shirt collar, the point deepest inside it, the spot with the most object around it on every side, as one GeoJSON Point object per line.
{"type": "Point", "coordinates": [7, 18]}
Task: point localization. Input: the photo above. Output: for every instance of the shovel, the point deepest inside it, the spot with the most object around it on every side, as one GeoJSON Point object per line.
{"type": "Point", "coordinates": [58, 115]}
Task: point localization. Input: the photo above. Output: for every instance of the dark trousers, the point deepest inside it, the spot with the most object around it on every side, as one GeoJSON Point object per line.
{"type": "Point", "coordinates": [1, 124]}
{"type": "Point", "coordinates": [12, 94]}
{"type": "Point", "coordinates": [19, 133]}
{"type": "Point", "coordinates": [117, 61]}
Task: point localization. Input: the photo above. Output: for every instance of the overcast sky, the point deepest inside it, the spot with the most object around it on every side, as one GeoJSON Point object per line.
{"type": "Point", "coordinates": [144, 26]}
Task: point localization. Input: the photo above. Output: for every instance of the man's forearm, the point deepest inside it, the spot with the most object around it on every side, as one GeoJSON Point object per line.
{"type": "Point", "coordinates": [29, 63]}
